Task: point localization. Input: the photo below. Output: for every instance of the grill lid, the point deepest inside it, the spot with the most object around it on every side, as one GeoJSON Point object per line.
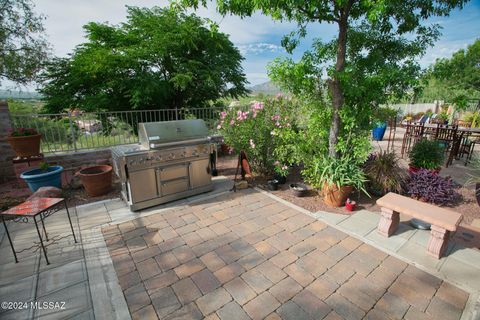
{"type": "Point", "coordinates": [154, 134]}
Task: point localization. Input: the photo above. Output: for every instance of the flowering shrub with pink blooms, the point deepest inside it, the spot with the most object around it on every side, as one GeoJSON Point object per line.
{"type": "Point", "coordinates": [259, 130]}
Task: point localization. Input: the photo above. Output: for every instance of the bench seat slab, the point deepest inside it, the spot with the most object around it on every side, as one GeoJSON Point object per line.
{"type": "Point", "coordinates": [438, 242]}
{"type": "Point", "coordinates": [388, 223]}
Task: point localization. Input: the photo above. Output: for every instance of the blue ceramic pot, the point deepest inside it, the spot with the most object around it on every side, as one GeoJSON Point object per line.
{"type": "Point", "coordinates": [379, 131]}
{"type": "Point", "coordinates": [37, 178]}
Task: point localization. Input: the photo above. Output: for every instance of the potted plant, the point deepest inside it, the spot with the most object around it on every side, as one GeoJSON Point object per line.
{"type": "Point", "coordinates": [441, 118]}
{"type": "Point", "coordinates": [470, 119]}
{"type": "Point", "coordinates": [97, 180]}
{"type": "Point", "coordinates": [339, 177]}
{"type": "Point", "coordinates": [384, 173]}
{"type": "Point", "coordinates": [44, 176]}
{"type": "Point", "coordinates": [426, 154]}
{"type": "Point", "coordinates": [25, 141]}
{"type": "Point", "coordinates": [380, 120]}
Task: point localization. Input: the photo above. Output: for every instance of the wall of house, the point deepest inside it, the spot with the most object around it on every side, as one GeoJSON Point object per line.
{"type": "Point", "coordinates": [6, 153]}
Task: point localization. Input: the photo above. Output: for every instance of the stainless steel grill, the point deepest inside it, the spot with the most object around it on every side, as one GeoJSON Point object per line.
{"type": "Point", "coordinates": [172, 161]}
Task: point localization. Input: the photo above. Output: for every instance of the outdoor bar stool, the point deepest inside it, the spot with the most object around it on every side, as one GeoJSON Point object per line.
{"type": "Point", "coordinates": [469, 149]}
{"type": "Point", "coordinates": [447, 135]}
{"type": "Point", "coordinates": [413, 133]}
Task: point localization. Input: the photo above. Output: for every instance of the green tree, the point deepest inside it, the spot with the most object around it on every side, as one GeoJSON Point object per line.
{"type": "Point", "coordinates": [158, 58]}
{"type": "Point", "coordinates": [458, 76]}
{"type": "Point", "coordinates": [22, 47]}
{"type": "Point", "coordinates": [372, 54]}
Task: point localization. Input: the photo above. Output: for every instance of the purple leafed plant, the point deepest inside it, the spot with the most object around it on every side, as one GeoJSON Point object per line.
{"type": "Point", "coordinates": [430, 187]}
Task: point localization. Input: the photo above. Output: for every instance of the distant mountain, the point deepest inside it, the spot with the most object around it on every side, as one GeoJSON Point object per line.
{"type": "Point", "coordinates": [21, 95]}
{"type": "Point", "coordinates": [265, 88]}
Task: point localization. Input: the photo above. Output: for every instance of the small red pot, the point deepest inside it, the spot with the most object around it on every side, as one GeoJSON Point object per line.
{"type": "Point", "coordinates": [350, 205]}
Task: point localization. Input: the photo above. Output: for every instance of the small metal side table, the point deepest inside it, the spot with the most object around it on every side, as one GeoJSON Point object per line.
{"type": "Point", "coordinates": [32, 210]}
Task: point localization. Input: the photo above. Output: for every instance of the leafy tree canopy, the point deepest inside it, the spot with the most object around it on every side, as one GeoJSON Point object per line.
{"type": "Point", "coordinates": [455, 79]}
{"type": "Point", "coordinates": [372, 58]}
{"type": "Point", "coordinates": [22, 46]}
{"type": "Point", "coordinates": [159, 58]}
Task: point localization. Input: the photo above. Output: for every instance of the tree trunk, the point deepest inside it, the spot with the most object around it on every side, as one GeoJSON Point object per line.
{"type": "Point", "coordinates": [335, 86]}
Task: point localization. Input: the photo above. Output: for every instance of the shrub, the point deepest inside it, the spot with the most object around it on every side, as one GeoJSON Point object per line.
{"type": "Point", "coordinates": [430, 187]}
{"type": "Point", "coordinates": [427, 154]}
{"type": "Point", "coordinates": [259, 131]}
{"type": "Point", "coordinates": [384, 173]}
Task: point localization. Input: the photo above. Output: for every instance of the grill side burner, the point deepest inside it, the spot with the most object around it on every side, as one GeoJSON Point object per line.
{"type": "Point", "coordinates": [171, 162]}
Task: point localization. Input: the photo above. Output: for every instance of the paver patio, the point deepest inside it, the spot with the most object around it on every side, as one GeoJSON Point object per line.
{"type": "Point", "coordinates": [233, 255]}
{"type": "Point", "coordinates": [244, 255]}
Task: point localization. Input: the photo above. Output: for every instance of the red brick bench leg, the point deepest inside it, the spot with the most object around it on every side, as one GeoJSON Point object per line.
{"type": "Point", "coordinates": [438, 242]}
{"type": "Point", "coordinates": [389, 221]}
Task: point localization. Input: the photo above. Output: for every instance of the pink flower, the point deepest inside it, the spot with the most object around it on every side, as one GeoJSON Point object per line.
{"type": "Point", "coordinates": [232, 122]}
{"type": "Point", "coordinates": [219, 127]}
{"type": "Point", "coordinates": [252, 144]}
{"type": "Point", "coordinates": [257, 105]}
{"type": "Point", "coordinates": [276, 163]}
{"type": "Point", "coordinates": [284, 167]}
{"type": "Point", "coordinates": [223, 114]}
{"type": "Point", "coordinates": [277, 124]}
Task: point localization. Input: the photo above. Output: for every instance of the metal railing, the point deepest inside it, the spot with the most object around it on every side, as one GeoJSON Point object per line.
{"type": "Point", "coordinates": [74, 131]}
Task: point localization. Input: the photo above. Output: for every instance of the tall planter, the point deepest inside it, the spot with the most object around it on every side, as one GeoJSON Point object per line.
{"type": "Point", "coordinates": [36, 178]}
{"type": "Point", "coordinates": [379, 131]}
{"type": "Point", "coordinates": [335, 196]}
{"type": "Point", "coordinates": [26, 146]}
{"type": "Point", "coordinates": [97, 180]}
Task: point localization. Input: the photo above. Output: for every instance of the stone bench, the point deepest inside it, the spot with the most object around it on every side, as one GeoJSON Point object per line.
{"type": "Point", "coordinates": [443, 221]}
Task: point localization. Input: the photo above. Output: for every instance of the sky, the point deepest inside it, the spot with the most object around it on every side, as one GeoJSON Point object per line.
{"type": "Point", "coordinates": [258, 37]}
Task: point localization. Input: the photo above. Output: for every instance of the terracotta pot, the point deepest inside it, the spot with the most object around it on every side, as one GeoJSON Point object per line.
{"type": "Point", "coordinates": [335, 196]}
{"type": "Point", "coordinates": [26, 146]}
{"type": "Point", "coordinates": [97, 180]}
{"type": "Point", "coordinates": [463, 123]}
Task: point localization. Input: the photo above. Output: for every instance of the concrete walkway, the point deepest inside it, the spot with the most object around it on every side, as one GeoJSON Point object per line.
{"type": "Point", "coordinates": [228, 255]}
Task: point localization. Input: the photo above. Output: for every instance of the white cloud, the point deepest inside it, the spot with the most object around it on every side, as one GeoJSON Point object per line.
{"type": "Point", "coordinates": [258, 48]}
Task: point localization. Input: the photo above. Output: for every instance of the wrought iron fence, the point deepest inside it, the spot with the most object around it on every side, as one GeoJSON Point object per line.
{"type": "Point", "coordinates": [73, 131]}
